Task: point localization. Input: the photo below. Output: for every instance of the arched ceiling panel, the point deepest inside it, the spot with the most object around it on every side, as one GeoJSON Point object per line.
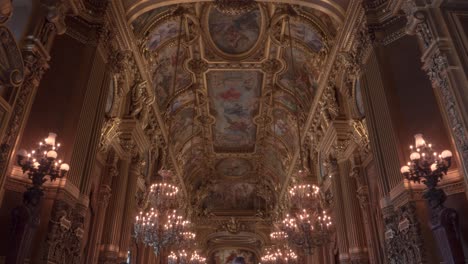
{"type": "Point", "coordinates": [234, 157]}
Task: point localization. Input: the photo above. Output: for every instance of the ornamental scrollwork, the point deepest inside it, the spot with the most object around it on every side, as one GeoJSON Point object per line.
{"type": "Point", "coordinates": [403, 236]}
{"type": "Point", "coordinates": [66, 229]}
{"type": "Point", "coordinates": [109, 133]}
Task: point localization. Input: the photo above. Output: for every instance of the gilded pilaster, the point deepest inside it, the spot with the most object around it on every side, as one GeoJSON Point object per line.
{"type": "Point", "coordinates": [355, 231]}
{"type": "Point", "coordinates": [104, 196]}
{"type": "Point", "coordinates": [372, 239]}
{"type": "Point", "coordinates": [109, 248]}
{"type": "Point", "coordinates": [338, 210]}
{"type": "Point", "coordinates": [130, 206]}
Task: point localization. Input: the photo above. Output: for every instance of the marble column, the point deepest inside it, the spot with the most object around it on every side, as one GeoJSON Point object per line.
{"type": "Point", "coordinates": [109, 249]}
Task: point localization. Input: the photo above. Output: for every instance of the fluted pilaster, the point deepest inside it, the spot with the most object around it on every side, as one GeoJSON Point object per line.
{"type": "Point", "coordinates": [339, 212]}
{"type": "Point", "coordinates": [382, 136]}
{"type": "Point", "coordinates": [111, 237]}
{"type": "Point", "coordinates": [130, 206]}
{"type": "Point", "coordinates": [354, 228]}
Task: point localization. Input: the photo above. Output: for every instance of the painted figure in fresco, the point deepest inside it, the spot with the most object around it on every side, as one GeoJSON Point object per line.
{"type": "Point", "coordinates": [307, 35]}
{"type": "Point", "coordinates": [236, 109]}
{"type": "Point", "coordinates": [163, 74]}
{"type": "Point", "coordinates": [232, 94]}
{"type": "Point", "coordinates": [235, 34]}
{"type": "Point", "coordinates": [238, 126]}
{"type": "Point", "coordinates": [162, 33]}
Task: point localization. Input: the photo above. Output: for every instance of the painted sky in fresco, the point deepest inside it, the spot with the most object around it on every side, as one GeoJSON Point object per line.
{"type": "Point", "coordinates": [234, 102]}
{"type": "Point", "coordinates": [234, 34]}
{"type": "Point", "coordinates": [163, 74]}
{"type": "Point", "coordinates": [162, 33]}
{"type": "Point", "coordinates": [233, 166]}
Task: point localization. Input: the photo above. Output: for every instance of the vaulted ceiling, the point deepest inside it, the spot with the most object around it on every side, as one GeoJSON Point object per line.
{"type": "Point", "coordinates": [231, 110]}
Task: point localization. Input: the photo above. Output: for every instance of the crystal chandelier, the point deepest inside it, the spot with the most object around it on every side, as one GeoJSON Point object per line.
{"type": "Point", "coordinates": [159, 230]}
{"type": "Point", "coordinates": [307, 225]}
{"type": "Point", "coordinates": [234, 7]}
{"type": "Point", "coordinates": [279, 256]}
{"type": "Point", "coordinates": [160, 227]}
{"type": "Point", "coordinates": [279, 253]}
{"type": "Point", "coordinates": [183, 257]}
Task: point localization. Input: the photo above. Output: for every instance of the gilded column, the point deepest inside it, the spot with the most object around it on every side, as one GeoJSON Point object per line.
{"type": "Point", "coordinates": [338, 209]}
{"type": "Point", "coordinates": [352, 211]}
{"type": "Point", "coordinates": [110, 242]}
{"type": "Point", "coordinates": [130, 207]}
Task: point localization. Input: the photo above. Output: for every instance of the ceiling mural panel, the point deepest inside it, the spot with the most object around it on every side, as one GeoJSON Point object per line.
{"type": "Point", "coordinates": [234, 101]}
{"type": "Point", "coordinates": [286, 100]}
{"type": "Point", "coordinates": [306, 34]}
{"type": "Point", "coordinates": [182, 127]}
{"type": "Point", "coordinates": [285, 127]}
{"type": "Point", "coordinates": [236, 34]}
{"type": "Point", "coordinates": [163, 74]}
{"type": "Point", "coordinates": [232, 196]}
{"type": "Point", "coordinates": [179, 102]}
{"type": "Point", "coordinates": [162, 33]}
{"type": "Point", "coordinates": [233, 255]}
{"type": "Point", "coordinates": [302, 79]}
{"type": "Point", "coordinates": [249, 92]}
{"type": "Point", "coordinates": [329, 24]}
{"type": "Point", "coordinates": [233, 167]}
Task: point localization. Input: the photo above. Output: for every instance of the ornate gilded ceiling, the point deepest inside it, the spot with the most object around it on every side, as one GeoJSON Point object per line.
{"type": "Point", "coordinates": [237, 79]}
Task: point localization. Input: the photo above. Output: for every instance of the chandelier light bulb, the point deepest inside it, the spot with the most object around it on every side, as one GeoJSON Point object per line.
{"type": "Point", "coordinates": [64, 167]}
{"type": "Point", "coordinates": [434, 167]}
{"type": "Point", "coordinates": [52, 154]}
{"type": "Point", "coordinates": [22, 153]}
{"type": "Point", "coordinates": [419, 140]}
{"type": "Point", "coordinates": [415, 156]}
{"type": "Point", "coordinates": [446, 154]}
{"type": "Point", "coordinates": [36, 165]}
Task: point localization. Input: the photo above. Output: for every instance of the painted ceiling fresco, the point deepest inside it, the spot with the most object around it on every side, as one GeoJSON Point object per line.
{"type": "Point", "coordinates": [249, 92]}
{"type": "Point", "coordinates": [163, 74]}
{"type": "Point", "coordinates": [233, 195]}
{"type": "Point", "coordinates": [234, 34]}
{"type": "Point", "coordinates": [233, 255]}
{"type": "Point", "coordinates": [302, 79]}
{"type": "Point", "coordinates": [234, 101]}
{"type": "Point", "coordinates": [233, 167]}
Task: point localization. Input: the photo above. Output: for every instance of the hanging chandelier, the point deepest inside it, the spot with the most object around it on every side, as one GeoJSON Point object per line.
{"type": "Point", "coordinates": [183, 257]}
{"type": "Point", "coordinates": [280, 252]}
{"type": "Point", "coordinates": [307, 229]}
{"type": "Point", "coordinates": [308, 225]}
{"type": "Point", "coordinates": [159, 230]}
